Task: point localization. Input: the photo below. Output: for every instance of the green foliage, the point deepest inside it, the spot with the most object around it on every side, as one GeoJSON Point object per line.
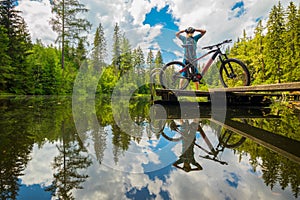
{"type": "Point", "coordinates": [272, 54]}
{"type": "Point", "coordinates": [158, 60]}
{"type": "Point", "coordinates": [273, 57]}
{"type": "Point", "coordinates": [99, 52]}
{"type": "Point", "coordinates": [5, 60]}
{"type": "Point", "coordinates": [17, 39]}
{"type": "Point", "coordinates": [108, 80]}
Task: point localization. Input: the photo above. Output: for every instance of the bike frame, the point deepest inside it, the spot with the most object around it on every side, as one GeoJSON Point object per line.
{"type": "Point", "coordinates": [217, 53]}
{"type": "Point", "coordinates": [212, 150]}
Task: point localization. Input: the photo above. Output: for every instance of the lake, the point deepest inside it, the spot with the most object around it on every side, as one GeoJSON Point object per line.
{"type": "Point", "coordinates": [58, 147]}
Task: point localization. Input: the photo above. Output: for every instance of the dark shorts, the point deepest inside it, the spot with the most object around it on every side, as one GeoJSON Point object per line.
{"type": "Point", "coordinates": [185, 73]}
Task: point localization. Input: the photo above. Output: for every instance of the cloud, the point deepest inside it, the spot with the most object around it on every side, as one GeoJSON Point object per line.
{"type": "Point", "coordinates": [215, 181]}
{"type": "Point", "coordinates": [41, 157]}
{"type": "Point", "coordinates": [224, 19]}
{"type": "Point", "coordinates": [37, 15]}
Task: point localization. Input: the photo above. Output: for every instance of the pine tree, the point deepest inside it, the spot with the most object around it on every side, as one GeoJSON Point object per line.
{"type": "Point", "coordinates": [99, 50]}
{"type": "Point", "coordinates": [139, 59]}
{"type": "Point", "coordinates": [291, 39]}
{"type": "Point", "coordinates": [80, 54]}
{"type": "Point", "coordinates": [19, 43]}
{"type": "Point", "coordinates": [150, 60]}
{"type": "Point", "coordinates": [68, 24]}
{"type": "Point", "coordinates": [275, 44]}
{"type": "Point", "coordinates": [5, 60]}
{"type": "Point", "coordinates": [116, 59]}
{"type": "Point", "coordinates": [258, 54]}
{"type": "Point", "coordinates": [125, 56]}
{"type": "Point", "coordinates": [158, 60]}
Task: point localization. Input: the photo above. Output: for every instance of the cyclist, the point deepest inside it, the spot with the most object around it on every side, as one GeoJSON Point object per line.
{"type": "Point", "coordinates": [190, 47]}
{"type": "Point", "coordinates": [187, 160]}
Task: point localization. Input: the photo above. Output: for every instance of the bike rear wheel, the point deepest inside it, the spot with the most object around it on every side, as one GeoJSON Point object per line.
{"type": "Point", "coordinates": [234, 73]}
{"type": "Point", "coordinates": [171, 78]}
{"type": "Point", "coordinates": [230, 139]}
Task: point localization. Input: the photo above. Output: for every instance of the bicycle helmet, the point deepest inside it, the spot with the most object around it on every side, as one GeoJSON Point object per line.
{"type": "Point", "coordinates": [190, 30]}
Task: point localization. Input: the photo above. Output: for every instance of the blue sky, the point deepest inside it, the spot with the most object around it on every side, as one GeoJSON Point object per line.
{"type": "Point", "coordinates": [151, 24]}
{"type": "Point", "coordinates": [162, 17]}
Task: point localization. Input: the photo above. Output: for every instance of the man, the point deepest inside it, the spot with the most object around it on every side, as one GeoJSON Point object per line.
{"type": "Point", "coordinates": [190, 46]}
{"type": "Point", "coordinates": [187, 160]}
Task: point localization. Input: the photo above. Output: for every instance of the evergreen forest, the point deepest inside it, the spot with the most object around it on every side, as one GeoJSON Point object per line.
{"type": "Point", "coordinates": [32, 68]}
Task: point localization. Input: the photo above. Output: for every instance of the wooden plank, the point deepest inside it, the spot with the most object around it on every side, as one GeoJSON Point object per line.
{"type": "Point", "coordinates": [278, 143]}
{"type": "Point", "coordinates": [189, 93]}
{"type": "Point", "coordinates": [257, 88]}
{"type": "Point", "coordinates": [203, 110]}
{"type": "Point", "coordinates": [295, 86]}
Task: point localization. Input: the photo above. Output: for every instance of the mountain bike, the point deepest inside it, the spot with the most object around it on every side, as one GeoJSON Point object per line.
{"type": "Point", "coordinates": [233, 72]}
{"type": "Point", "coordinates": [226, 139]}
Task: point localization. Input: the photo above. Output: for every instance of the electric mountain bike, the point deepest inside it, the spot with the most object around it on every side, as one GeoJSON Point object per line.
{"type": "Point", "coordinates": [233, 72]}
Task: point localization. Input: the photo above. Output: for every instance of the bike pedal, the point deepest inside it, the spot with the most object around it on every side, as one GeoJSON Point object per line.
{"type": "Point", "coordinates": [197, 78]}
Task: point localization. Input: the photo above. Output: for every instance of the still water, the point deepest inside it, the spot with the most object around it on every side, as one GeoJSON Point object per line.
{"type": "Point", "coordinates": [53, 149]}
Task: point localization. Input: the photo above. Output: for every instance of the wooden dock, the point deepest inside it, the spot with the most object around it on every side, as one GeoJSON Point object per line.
{"type": "Point", "coordinates": [238, 95]}
{"type": "Point", "coordinates": [241, 103]}
{"type": "Point", "coordinates": [277, 143]}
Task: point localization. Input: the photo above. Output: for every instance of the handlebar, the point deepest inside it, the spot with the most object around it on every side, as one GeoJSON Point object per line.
{"type": "Point", "coordinates": [217, 45]}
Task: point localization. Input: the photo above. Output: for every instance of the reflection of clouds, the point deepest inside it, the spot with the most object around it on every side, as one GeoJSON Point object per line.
{"type": "Point", "coordinates": [108, 182]}
{"type": "Point", "coordinates": [39, 169]}
{"type": "Point", "coordinates": [143, 156]}
{"type": "Point", "coordinates": [103, 183]}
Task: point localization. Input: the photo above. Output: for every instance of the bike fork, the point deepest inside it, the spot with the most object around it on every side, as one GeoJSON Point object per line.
{"type": "Point", "coordinates": [229, 72]}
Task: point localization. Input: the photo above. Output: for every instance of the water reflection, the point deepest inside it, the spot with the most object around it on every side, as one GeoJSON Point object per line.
{"type": "Point", "coordinates": [44, 155]}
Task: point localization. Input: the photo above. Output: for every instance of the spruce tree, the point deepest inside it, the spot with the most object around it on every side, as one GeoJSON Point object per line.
{"type": "Point", "coordinates": [19, 44]}
{"type": "Point", "coordinates": [69, 24]}
{"type": "Point", "coordinates": [291, 39]}
{"type": "Point", "coordinates": [258, 54]}
{"type": "Point", "coordinates": [158, 60]}
{"type": "Point", "coordinates": [99, 50]}
{"type": "Point", "coordinates": [275, 44]}
{"type": "Point", "coordinates": [116, 59]}
{"type": "Point", "coordinates": [5, 60]}
{"type": "Point", "coordinates": [139, 59]}
{"type": "Point", "coordinates": [150, 60]}
{"type": "Point", "coordinates": [80, 54]}
{"type": "Point", "coordinates": [125, 56]}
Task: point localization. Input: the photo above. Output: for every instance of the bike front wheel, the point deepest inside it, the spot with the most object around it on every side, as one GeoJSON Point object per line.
{"type": "Point", "coordinates": [171, 78]}
{"type": "Point", "coordinates": [234, 73]}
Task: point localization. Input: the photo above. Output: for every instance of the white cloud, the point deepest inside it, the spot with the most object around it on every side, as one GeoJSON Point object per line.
{"type": "Point", "coordinates": [214, 16]}
{"type": "Point", "coordinates": [108, 182]}
{"type": "Point", "coordinates": [37, 16]}
{"type": "Point", "coordinates": [39, 169]}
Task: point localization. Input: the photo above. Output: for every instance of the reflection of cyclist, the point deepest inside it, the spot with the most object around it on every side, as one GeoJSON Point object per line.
{"type": "Point", "coordinates": [190, 47]}
{"type": "Point", "coordinates": [188, 140]}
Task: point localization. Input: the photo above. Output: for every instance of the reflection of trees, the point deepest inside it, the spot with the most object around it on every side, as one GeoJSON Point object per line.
{"type": "Point", "coordinates": [138, 111]}
{"type": "Point", "coordinates": [287, 125]}
{"type": "Point", "coordinates": [99, 138]}
{"type": "Point", "coordinates": [25, 121]}
{"type": "Point", "coordinates": [276, 169]}
{"type": "Point", "coordinates": [15, 146]}
{"type": "Point", "coordinates": [120, 140]}
{"type": "Point", "coordinates": [67, 165]}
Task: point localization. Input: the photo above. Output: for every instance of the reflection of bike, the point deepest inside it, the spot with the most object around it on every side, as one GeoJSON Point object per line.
{"type": "Point", "coordinates": [226, 138]}
{"type": "Point", "coordinates": [233, 72]}
{"type": "Point", "coordinates": [187, 161]}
